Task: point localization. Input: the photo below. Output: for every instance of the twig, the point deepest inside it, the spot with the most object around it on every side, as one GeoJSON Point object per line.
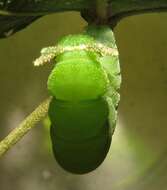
{"type": "Point", "coordinates": [21, 14]}
{"type": "Point", "coordinates": [29, 122]}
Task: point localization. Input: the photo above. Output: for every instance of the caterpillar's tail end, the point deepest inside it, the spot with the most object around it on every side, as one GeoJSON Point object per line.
{"type": "Point", "coordinates": [81, 157]}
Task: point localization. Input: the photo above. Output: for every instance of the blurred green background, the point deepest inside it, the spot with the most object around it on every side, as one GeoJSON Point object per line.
{"type": "Point", "coordinates": [138, 155]}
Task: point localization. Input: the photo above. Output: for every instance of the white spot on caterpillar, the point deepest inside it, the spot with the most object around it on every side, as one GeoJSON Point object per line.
{"type": "Point", "coordinates": [49, 53]}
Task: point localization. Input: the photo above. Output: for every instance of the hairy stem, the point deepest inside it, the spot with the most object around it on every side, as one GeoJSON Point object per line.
{"type": "Point", "coordinates": [29, 122]}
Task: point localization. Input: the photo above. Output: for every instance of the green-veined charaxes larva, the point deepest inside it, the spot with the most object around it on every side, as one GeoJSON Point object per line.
{"type": "Point", "coordinates": [84, 85]}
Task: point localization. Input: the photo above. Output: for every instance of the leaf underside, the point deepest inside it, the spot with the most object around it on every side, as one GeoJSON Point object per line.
{"type": "Point", "coordinates": [17, 14]}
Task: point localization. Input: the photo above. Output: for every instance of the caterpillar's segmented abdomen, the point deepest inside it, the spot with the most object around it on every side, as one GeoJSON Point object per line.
{"type": "Point", "coordinates": [80, 134]}
{"type": "Point", "coordinates": [84, 84]}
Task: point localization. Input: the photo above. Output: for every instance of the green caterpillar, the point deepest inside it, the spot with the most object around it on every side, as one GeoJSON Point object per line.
{"type": "Point", "coordinates": [84, 84]}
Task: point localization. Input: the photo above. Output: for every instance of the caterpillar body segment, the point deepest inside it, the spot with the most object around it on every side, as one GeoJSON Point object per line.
{"type": "Point", "coordinates": [80, 134]}
{"type": "Point", "coordinates": [84, 84]}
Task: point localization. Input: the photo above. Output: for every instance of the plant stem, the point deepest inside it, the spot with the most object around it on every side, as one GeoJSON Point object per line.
{"type": "Point", "coordinates": [101, 9]}
{"type": "Point", "coordinates": [20, 14]}
{"type": "Point", "coordinates": [29, 122]}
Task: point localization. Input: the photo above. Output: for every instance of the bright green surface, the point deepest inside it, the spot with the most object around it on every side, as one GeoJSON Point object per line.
{"type": "Point", "coordinates": [77, 79]}
{"type": "Point", "coordinates": [77, 74]}
{"type": "Point", "coordinates": [75, 40]}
